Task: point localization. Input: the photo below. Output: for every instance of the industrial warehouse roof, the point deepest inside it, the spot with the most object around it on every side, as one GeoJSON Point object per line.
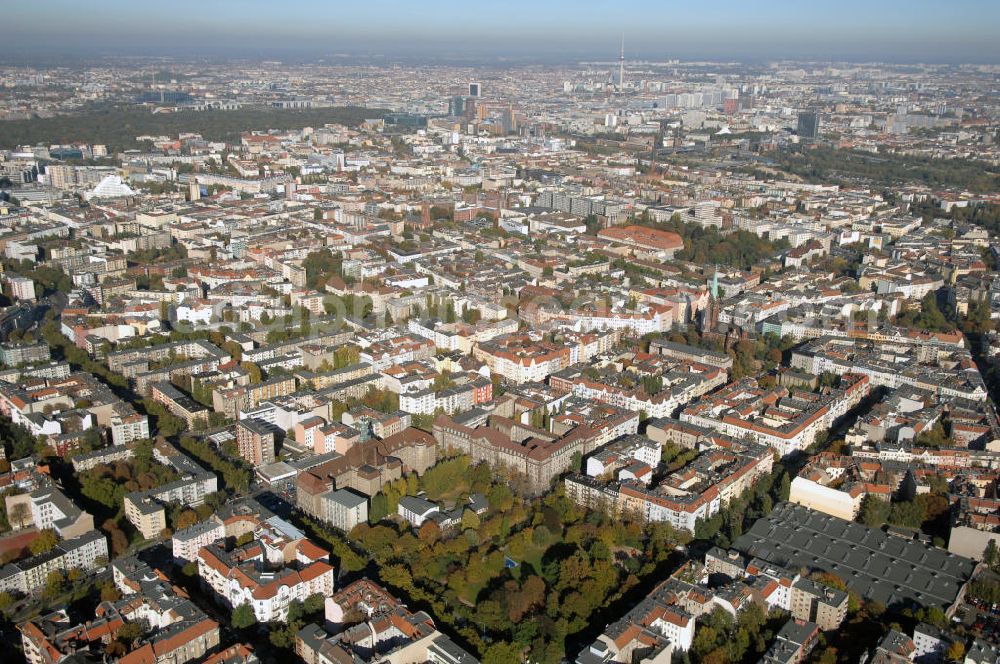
{"type": "Point", "coordinates": [884, 568]}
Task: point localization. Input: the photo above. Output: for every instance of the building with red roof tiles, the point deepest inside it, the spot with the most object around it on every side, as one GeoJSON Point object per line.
{"type": "Point", "coordinates": [786, 421]}
{"type": "Point", "coordinates": [364, 623]}
{"type": "Point", "coordinates": [537, 454]}
{"type": "Point", "coordinates": [173, 629]}
{"type": "Point", "coordinates": [663, 244]}
{"type": "Point", "coordinates": [652, 630]}
{"type": "Point", "coordinates": [267, 573]}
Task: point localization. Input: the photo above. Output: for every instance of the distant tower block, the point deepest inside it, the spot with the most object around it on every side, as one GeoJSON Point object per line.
{"type": "Point", "coordinates": [808, 125]}
{"type": "Point", "coordinates": [474, 90]}
{"type": "Point", "coordinates": [621, 67]}
{"type": "Point", "coordinates": [425, 214]}
{"type": "Point", "coordinates": [195, 191]}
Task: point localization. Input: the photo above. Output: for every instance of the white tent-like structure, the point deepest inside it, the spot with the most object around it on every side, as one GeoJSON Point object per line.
{"type": "Point", "coordinates": [112, 186]}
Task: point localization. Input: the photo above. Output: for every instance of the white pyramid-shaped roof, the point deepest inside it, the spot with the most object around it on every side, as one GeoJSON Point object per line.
{"type": "Point", "coordinates": [111, 186]}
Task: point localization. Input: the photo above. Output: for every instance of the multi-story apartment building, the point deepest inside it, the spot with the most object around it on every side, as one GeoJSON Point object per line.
{"type": "Point", "coordinates": [460, 336]}
{"type": "Point", "coordinates": [365, 468]}
{"type": "Point", "coordinates": [51, 509]}
{"type": "Point", "coordinates": [145, 514]}
{"type": "Point", "coordinates": [676, 386]}
{"type": "Point", "coordinates": [129, 428]}
{"type": "Point", "coordinates": [166, 628]}
{"type": "Point", "coordinates": [314, 433]}
{"type": "Point", "coordinates": [86, 552]}
{"type": "Point", "coordinates": [255, 441]}
{"type": "Point", "coordinates": [455, 399]}
{"type": "Point", "coordinates": [376, 423]}
{"type": "Point", "coordinates": [191, 489]}
{"type": "Point", "coordinates": [688, 353]}
{"type": "Point", "coordinates": [391, 632]}
{"type": "Point", "coordinates": [782, 420]}
{"type": "Point", "coordinates": [145, 511]}
{"type": "Point", "coordinates": [344, 509]}
{"type": "Point", "coordinates": [792, 644]}
{"type": "Point", "coordinates": [233, 400]}
{"type": "Point", "coordinates": [938, 368]}
{"type": "Point", "coordinates": [697, 491]}
{"type": "Point", "coordinates": [179, 403]}
{"type": "Point", "coordinates": [267, 573]}
{"type": "Point", "coordinates": [823, 605]}
{"type": "Point", "coordinates": [197, 349]}
{"type": "Point", "coordinates": [21, 288]}
{"type": "Point", "coordinates": [537, 454]}
{"type": "Point", "coordinates": [655, 628]}
{"type": "Point", "coordinates": [523, 358]}
{"type": "Point", "coordinates": [187, 542]}
{"type": "Point", "coordinates": [14, 354]}
{"type": "Point", "coordinates": [405, 348]}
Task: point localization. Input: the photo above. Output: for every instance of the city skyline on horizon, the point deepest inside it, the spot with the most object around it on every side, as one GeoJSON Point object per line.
{"type": "Point", "coordinates": [454, 333]}
{"type": "Point", "coordinates": [445, 30]}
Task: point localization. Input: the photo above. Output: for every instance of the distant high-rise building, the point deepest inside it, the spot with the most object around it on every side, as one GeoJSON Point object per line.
{"type": "Point", "coordinates": [808, 125]}
{"type": "Point", "coordinates": [60, 176]}
{"type": "Point", "coordinates": [621, 67]}
{"type": "Point", "coordinates": [474, 90]}
{"type": "Point", "coordinates": [508, 121]}
{"type": "Point", "coordinates": [456, 107]}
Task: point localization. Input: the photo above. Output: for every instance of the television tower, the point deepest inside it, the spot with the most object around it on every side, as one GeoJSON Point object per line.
{"type": "Point", "coordinates": [621, 67]}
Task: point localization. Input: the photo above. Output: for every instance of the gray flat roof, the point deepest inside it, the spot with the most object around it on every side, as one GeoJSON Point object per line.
{"type": "Point", "coordinates": [347, 498]}
{"type": "Point", "coordinates": [880, 567]}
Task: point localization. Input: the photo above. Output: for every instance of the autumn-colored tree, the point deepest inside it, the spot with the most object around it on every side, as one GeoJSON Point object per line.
{"type": "Point", "coordinates": [704, 641]}
{"type": "Point", "coordinates": [767, 381]}
{"type": "Point", "coordinates": [523, 599]}
{"type": "Point", "coordinates": [934, 505]}
{"type": "Point", "coordinates": [186, 519]}
{"type": "Point", "coordinates": [109, 593]}
{"type": "Point", "coordinates": [429, 532]}
{"type": "Point", "coordinates": [830, 579]}
{"type": "Point", "coordinates": [398, 576]}
{"type": "Point", "coordinates": [129, 633]}
{"type": "Point", "coordinates": [490, 615]}
{"type": "Point", "coordinates": [573, 570]}
{"type": "Point", "coordinates": [46, 541]}
{"type": "Point", "coordinates": [502, 653]}
{"type": "Point", "coordinates": [119, 540]}
{"type": "Point", "coordinates": [253, 371]}
{"type": "Point", "coordinates": [470, 520]}
{"type": "Point", "coordinates": [55, 584]}
{"type": "Point", "coordinates": [717, 656]}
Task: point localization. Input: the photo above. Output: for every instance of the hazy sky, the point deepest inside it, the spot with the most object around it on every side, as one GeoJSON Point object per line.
{"type": "Point", "coordinates": [904, 30]}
